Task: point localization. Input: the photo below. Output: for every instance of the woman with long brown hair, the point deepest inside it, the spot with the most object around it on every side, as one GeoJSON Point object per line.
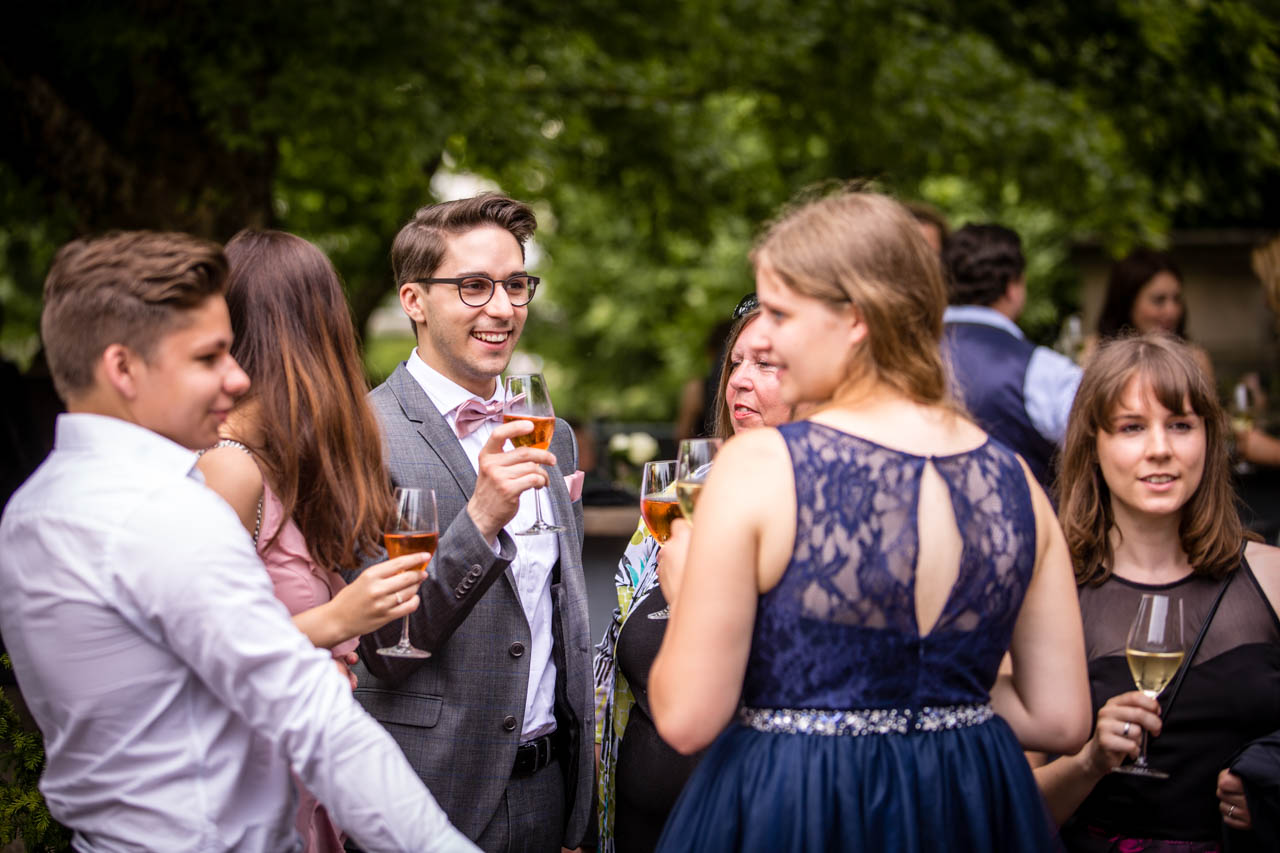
{"type": "Point", "coordinates": [854, 578]}
{"type": "Point", "coordinates": [301, 458]}
{"type": "Point", "coordinates": [1147, 507]}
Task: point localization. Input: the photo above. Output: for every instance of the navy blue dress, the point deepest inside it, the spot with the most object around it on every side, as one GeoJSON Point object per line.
{"type": "Point", "coordinates": [856, 732]}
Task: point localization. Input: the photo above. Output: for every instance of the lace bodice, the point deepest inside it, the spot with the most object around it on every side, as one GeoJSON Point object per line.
{"type": "Point", "coordinates": [839, 630]}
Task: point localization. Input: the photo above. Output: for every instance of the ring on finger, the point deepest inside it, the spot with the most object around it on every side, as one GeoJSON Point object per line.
{"type": "Point", "coordinates": [1231, 812]}
{"type": "Point", "coordinates": [398, 599]}
{"type": "Point", "coordinates": [1125, 731]}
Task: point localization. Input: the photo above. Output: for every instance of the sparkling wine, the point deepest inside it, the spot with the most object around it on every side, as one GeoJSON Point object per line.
{"type": "Point", "coordinates": [687, 492]}
{"type": "Point", "coordinates": [658, 514]}
{"type": "Point", "coordinates": [399, 544]}
{"type": "Point", "coordinates": [541, 435]}
{"type": "Point", "coordinates": [1152, 670]}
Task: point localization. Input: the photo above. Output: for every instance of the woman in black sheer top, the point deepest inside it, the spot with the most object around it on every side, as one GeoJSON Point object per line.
{"type": "Point", "coordinates": [1147, 506]}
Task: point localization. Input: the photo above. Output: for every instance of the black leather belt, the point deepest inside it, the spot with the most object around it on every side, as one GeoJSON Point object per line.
{"type": "Point", "coordinates": [533, 756]}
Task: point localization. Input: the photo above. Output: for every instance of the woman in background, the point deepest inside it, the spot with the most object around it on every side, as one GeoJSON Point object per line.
{"type": "Point", "coordinates": [1147, 507]}
{"type": "Point", "coordinates": [1144, 295]}
{"type": "Point", "coordinates": [640, 776]}
{"type": "Point", "coordinates": [854, 579]}
{"type": "Point", "coordinates": [301, 459]}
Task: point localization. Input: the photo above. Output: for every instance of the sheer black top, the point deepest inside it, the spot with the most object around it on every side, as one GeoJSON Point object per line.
{"type": "Point", "coordinates": [1230, 696]}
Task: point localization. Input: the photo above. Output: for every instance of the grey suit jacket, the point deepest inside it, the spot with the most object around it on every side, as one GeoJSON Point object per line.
{"type": "Point", "coordinates": [458, 714]}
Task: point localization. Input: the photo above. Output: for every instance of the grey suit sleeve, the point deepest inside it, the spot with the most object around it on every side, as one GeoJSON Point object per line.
{"type": "Point", "coordinates": [462, 570]}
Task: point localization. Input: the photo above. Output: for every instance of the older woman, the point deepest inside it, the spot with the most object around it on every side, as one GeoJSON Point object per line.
{"type": "Point", "coordinates": [640, 775]}
{"type": "Point", "coordinates": [1147, 507]}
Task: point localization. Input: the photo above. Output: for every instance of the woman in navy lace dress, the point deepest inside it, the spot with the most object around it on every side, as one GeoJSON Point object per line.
{"type": "Point", "coordinates": [854, 580]}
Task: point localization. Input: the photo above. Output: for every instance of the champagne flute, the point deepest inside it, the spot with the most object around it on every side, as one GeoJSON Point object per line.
{"type": "Point", "coordinates": [658, 504]}
{"type": "Point", "coordinates": [693, 465]}
{"type": "Point", "coordinates": [1241, 410]}
{"type": "Point", "coordinates": [413, 530]}
{"type": "Point", "coordinates": [1154, 651]}
{"type": "Point", "coordinates": [527, 399]}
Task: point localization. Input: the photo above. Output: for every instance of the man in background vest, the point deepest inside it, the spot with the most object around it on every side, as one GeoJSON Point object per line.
{"type": "Point", "coordinates": [1018, 392]}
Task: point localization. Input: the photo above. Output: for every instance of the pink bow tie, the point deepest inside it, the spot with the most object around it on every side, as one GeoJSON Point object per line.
{"type": "Point", "coordinates": [472, 413]}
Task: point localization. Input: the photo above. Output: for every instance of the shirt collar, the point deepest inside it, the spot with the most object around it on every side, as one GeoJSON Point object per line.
{"type": "Point", "coordinates": [982, 315]}
{"type": "Point", "coordinates": [104, 435]}
{"type": "Point", "coordinates": [446, 394]}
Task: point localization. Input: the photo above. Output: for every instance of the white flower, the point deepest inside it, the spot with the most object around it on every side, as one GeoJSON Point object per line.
{"type": "Point", "coordinates": [643, 447]}
{"type": "Point", "coordinates": [619, 443]}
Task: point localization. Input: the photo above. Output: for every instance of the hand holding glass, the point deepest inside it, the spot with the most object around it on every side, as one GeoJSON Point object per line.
{"type": "Point", "coordinates": [1154, 652]}
{"type": "Point", "coordinates": [527, 399]}
{"type": "Point", "coordinates": [412, 530]}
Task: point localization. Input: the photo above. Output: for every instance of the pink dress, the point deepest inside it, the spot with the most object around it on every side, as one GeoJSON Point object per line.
{"type": "Point", "coordinates": [301, 585]}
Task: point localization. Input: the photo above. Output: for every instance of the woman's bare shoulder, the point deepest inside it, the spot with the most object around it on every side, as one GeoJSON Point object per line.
{"type": "Point", "coordinates": [1264, 560]}
{"type": "Point", "coordinates": [235, 475]}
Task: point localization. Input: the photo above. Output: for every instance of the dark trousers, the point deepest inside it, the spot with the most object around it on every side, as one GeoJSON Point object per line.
{"type": "Point", "coordinates": [530, 818]}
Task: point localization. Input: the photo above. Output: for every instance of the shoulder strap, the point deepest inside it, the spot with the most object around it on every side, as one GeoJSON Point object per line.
{"type": "Point", "coordinates": [1195, 647]}
{"type": "Point", "coordinates": [231, 442]}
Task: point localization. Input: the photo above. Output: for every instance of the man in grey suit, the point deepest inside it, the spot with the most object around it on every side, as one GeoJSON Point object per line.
{"type": "Point", "coordinates": [499, 721]}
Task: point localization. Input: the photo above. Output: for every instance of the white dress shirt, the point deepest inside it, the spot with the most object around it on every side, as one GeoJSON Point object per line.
{"type": "Point", "coordinates": [173, 691]}
{"type": "Point", "coordinates": [535, 555]}
{"type": "Point", "coordinates": [1050, 384]}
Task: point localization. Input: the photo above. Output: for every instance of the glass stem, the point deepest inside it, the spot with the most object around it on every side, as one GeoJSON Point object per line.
{"type": "Point", "coordinates": [537, 505]}
{"type": "Point", "coordinates": [404, 633]}
{"type": "Point", "coordinates": [1142, 750]}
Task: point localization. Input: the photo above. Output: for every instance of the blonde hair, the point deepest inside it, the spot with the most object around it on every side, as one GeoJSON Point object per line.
{"type": "Point", "coordinates": [864, 248]}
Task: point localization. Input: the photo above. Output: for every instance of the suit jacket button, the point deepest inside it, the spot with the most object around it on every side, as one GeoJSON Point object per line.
{"type": "Point", "coordinates": [475, 572]}
{"type": "Point", "coordinates": [509, 723]}
{"type": "Point", "coordinates": [517, 649]}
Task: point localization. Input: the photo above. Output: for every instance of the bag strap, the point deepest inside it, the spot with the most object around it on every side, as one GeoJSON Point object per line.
{"type": "Point", "coordinates": [1195, 647]}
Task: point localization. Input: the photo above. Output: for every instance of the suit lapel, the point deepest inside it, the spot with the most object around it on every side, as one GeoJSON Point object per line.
{"type": "Point", "coordinates": [441, 440]}
{"type": "Point", "coordinates": [433, 428]}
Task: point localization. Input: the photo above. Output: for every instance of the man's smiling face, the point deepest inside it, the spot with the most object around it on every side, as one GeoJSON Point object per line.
{"type": "Point", "coordinates": [469, 345]}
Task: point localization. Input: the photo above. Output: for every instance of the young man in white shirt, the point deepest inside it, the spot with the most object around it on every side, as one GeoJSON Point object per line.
{"type": "Point", "coordinates": [173, 692]}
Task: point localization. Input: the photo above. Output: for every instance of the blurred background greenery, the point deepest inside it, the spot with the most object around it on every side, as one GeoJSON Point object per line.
{"type": "Point", "coordinates": [654, 139]}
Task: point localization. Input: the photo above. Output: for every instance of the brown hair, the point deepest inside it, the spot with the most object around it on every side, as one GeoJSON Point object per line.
{"type": "Point", "coordinates": [125, 287]}
{"type": "Point", "coordinates": [1209, 528]}
{"type": "Point", "coordinates": [419, 248]}
{"type": "Point", "coordinates": [865, 248]}
{"type": "Point", "coordinates": [320, 446]}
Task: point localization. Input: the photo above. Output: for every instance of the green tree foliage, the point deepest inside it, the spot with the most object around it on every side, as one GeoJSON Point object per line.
{"type": "Point", "coordinates": [654, 138]}
{"type": "Point", "coordinates": [23, 813]}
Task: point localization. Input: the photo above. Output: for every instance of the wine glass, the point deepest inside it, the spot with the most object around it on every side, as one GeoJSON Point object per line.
{"type": "Point", "coordinates": [658, 504]}
{"type": "Point", "coordinates": [1154, 651]}
{"type": "Point", "coordinates": [527, 399]}
{"type": "Point", "coordinates": [693, 465]}
{"type": "Point", "coordinates": [412, 530]}
{"type": "Point", "coordinates": [1242, 408]}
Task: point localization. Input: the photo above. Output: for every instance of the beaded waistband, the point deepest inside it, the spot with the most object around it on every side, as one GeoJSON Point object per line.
{"type": "Point", "coordinates": [871, 721]}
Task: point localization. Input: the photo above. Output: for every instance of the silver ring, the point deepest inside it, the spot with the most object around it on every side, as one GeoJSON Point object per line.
{"type": "Point", "coordinates": [1231, 811]}
{"type": "Point", "coordinates": [1125, 731]}
{"type": "Point", "coordinates": [398, 601]}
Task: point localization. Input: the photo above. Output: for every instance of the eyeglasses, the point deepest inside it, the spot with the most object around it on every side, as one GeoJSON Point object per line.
{"type": "Point", "coordinates": [749, 304]}
{"type": "Point", "coordinates": [477, 290]}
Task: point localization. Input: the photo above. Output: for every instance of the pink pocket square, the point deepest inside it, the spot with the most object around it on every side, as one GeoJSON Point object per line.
{"type": "Point", "coordinates": [574, 484]}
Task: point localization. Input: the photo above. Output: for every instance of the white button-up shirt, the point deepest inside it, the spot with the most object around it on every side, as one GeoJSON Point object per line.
{"type": "Point", "coordinates": [173, 691]}
{"type": "Point", "coordinates": [535, 555]}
